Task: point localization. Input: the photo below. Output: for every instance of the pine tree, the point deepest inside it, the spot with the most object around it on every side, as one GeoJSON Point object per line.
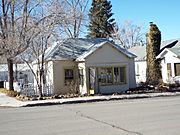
{"type": "Point", "coordinates": [153, 48]}
{"type": "Point", "coordinates": [101, 23]}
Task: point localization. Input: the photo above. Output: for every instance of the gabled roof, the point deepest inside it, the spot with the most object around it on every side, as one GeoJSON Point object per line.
{"type": "Point", "coordinates": [97, 46]}
{"type": "Point", "coordinates": [175, 51]}
{"type": "Point", "coordinates": [20, 67]}
{"type": "Point", "coordinates": [78, 49]}
{"type": "Point", "coordinates": [140, 51]}
{"type": "Point", "coordinates": [26, 54]}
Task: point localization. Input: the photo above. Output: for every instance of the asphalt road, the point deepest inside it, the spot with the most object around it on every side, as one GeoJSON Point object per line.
{"type": "Point", "coordinates": [156, 116]}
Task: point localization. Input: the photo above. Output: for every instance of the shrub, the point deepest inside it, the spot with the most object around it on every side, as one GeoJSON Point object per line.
{"type": "Point", "coordinates": [9, 93]}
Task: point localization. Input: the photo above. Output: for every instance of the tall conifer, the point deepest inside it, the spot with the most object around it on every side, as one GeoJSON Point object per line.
{"type": "Point", "coordinates": [101, 23]}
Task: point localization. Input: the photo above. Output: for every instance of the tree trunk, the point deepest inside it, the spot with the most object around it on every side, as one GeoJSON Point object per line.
{"type": "Point", "coordinates": [40, 91]}
{"type": "Point", "coordinates": [10, 74]}
{"type": "Point", "coordinates": [16, 73]}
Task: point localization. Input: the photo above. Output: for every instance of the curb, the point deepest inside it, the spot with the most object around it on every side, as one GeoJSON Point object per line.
{"type": "Point", "coordinates": [110, 98]}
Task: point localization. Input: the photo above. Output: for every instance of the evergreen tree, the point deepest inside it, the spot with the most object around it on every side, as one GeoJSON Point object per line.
{"type": "Point", "coordinates": [153, 49]}
{"type": "Point", "coordinates": [101, 23]}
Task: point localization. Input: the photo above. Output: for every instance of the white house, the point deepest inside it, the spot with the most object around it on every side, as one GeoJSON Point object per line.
{"type": "Point", "coordinates": [22, 72]}
{"type": "Point", "coordinates": [170, 62]}
{"type": "Point", "coordinates": [89, 64]}
{"type": "Point", "coordinates": [140, 61]}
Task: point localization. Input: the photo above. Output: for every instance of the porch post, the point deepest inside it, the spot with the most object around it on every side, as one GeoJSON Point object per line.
{"type": "Point", "coordinates": [87, 79]}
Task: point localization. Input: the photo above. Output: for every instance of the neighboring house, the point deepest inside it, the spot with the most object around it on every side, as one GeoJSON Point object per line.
{"type": "Point", "coordinates": [170, 62]}
{"type": "Point", "coordinates": [140, 61]}
{"type": "Point", "coordinates": [21, 73]}
{"type": "Point", "coordinates": [88, 64]}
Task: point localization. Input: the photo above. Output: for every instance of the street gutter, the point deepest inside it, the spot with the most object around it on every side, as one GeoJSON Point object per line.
{"type": "Point", "coordinates": [96, 99]}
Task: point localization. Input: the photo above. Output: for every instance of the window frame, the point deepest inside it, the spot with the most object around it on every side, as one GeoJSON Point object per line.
{"type": "Point", "coordinates": [169, 70]}
{"type": "Point", "coordinates": [68, 81]}
{"type": "Point", "coordinates": [125, 76]}
{"type": "Point", "coordinates": [113, 76]}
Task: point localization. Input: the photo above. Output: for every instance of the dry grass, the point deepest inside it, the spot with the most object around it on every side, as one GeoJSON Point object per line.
{"type": "Point", "coordinates": [8, 92]}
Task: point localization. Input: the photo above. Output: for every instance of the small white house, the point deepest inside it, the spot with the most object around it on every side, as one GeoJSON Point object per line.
{"type": "Point", "coordinates": [96, 65]}
{"type": "Point", "coordinates": [170, 63]}
{"type": "Point", "coordinates": [140, 63]}
{"type": "Point", "coordinates": [22, 73]}
{"type": "Point", "coordinates": [140, 60]}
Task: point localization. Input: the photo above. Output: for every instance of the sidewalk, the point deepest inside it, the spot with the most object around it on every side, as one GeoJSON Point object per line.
{"type": "Point", "coordinates": [12, 102]}
{"type": "Point", "coordinates": [7, 101]}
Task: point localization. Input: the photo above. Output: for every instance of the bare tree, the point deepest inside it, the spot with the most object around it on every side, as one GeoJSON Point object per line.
{"type": "Point", "coordinates": [34, 55]}
{"type": "Point", "coordinates": [77, 17]}
{"type": "Point", "coordinates": [44, 31]}
{"type": "Point", "coordinates": [128, 35]}
{"type": "Point", "coordinates": [70, 15]}
{"type": "Point", "coordinates": [21, 23]}
{"type": "Point", "coordinates": [14, 27]}
{"type": "Point", "coordinates": [26, 24]}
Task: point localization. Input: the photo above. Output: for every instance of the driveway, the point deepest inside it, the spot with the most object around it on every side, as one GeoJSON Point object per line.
{"type": "Point", "coordinates": [157, 116]}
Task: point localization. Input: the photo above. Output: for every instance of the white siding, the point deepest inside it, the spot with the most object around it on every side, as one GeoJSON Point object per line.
{"type": "Point", "coordinates": [140, 70]}
{"type": "Point", "coordinates": [22, 69]}
{"type": "Point", "coordinates": [49, 77]}
{"type": "Point", "coordinates": [168, 58]}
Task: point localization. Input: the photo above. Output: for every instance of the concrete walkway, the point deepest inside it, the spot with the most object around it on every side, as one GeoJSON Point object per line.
{"type": "Point", "coordinates": [7, 101]}
{"type": "Point", "coordinates": [12, 102]}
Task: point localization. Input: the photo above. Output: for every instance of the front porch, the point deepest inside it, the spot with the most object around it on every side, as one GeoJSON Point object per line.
{"type": "Point", "coordinates": [107, 79]}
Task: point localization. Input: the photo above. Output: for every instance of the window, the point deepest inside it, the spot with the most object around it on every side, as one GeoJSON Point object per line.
{"type": "Point", "coordinates": [177, 69]}
{"type": "Point", "coordinates": [122, 75]}
{"type": "Point", "coordinates": [169, 72]}
{"type": "Point", "coordinates": [81, 77]}
{"type": "Point", "coordinates": [112, 75]}
{"type": "Point", "coordinates": [69, 76]}
{"type": "Point", "coordinates": [105, 76]}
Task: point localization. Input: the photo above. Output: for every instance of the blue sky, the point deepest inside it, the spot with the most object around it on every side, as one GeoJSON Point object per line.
{"type": "Point", "coordinates": [164, 13]}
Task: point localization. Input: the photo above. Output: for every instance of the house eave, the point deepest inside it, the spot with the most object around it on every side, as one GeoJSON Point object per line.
{"type": "Point", "coordinates": [80, 60]}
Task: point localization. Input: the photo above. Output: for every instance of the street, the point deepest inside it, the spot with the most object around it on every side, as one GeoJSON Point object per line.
{"type": "Point", "coordinates": [151, 116]}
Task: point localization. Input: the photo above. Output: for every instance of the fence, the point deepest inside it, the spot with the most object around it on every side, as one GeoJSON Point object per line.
{"type": "Point", "coordinates": [30, 90]}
